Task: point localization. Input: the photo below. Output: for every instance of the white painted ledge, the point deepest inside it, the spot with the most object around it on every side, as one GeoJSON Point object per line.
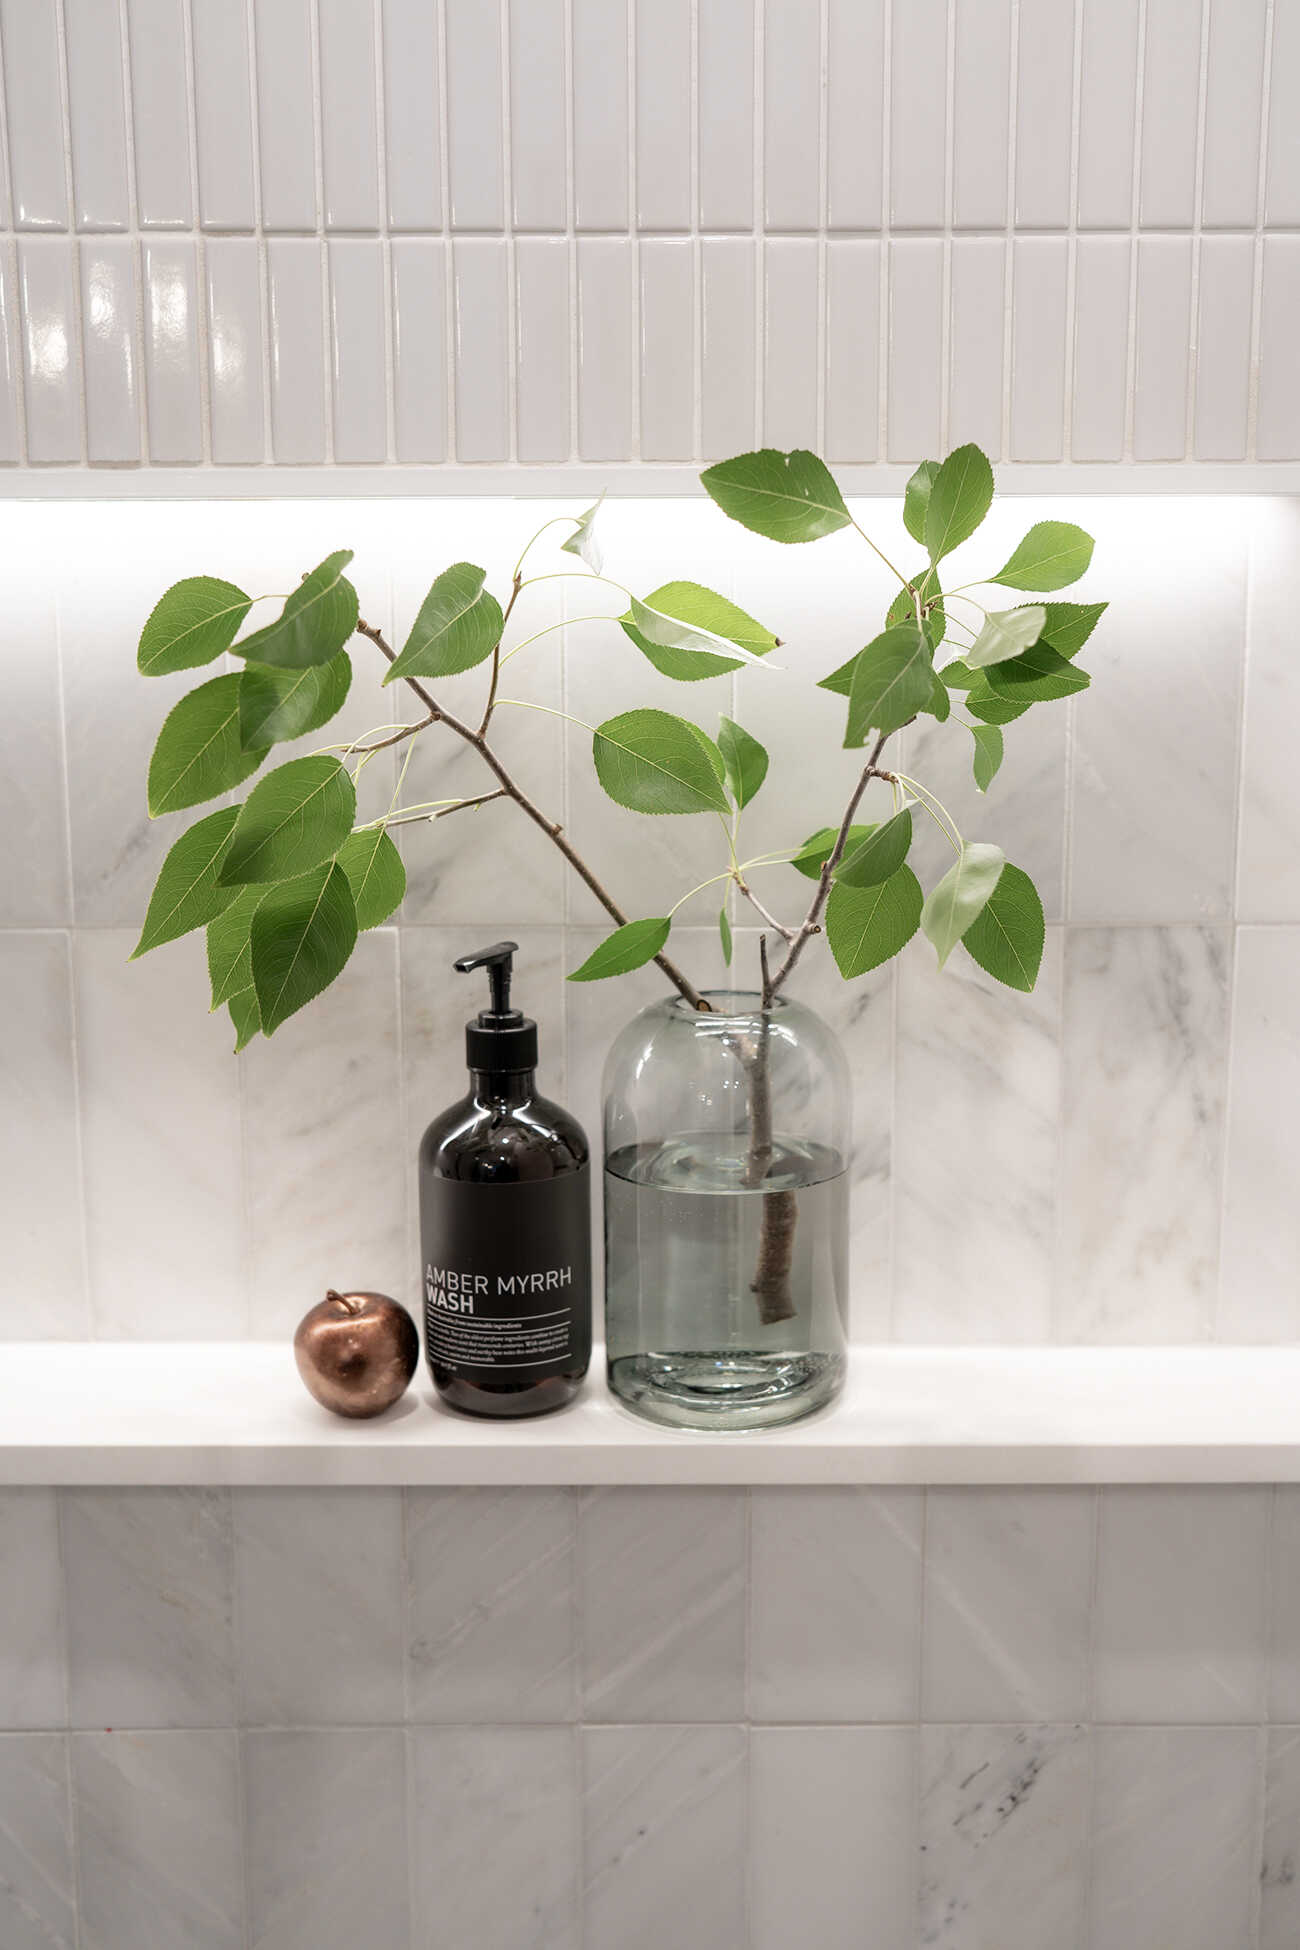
{"type": "Point", "coordinates": [235, 1412]}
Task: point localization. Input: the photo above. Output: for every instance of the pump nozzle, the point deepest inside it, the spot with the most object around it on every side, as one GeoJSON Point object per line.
{"type": "Point", "coordinates": [501, 1038]}
{"type": "Point", "coordinates": [499, 963]}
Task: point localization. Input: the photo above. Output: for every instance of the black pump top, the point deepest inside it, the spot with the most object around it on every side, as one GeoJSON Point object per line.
{"type": "Point", "coordinates": [500, 1038]}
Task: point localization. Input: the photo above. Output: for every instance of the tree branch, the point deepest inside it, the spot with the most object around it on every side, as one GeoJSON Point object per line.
{"type": "Point", "coordinates": [778, 927]}
{"type": "Point", "coordinates": [811, 923]}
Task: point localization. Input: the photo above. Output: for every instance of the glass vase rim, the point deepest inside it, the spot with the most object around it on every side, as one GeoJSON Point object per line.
{"type": "Point", "coordinates": [750, 1001]}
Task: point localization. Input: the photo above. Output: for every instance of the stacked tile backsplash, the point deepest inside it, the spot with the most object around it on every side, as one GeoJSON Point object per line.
{"type": "Point", "coordinates": [1107, 1160]}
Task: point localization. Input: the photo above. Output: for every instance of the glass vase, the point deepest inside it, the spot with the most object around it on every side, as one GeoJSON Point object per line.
{"type": "Point", "coordinates": [726, 1213]}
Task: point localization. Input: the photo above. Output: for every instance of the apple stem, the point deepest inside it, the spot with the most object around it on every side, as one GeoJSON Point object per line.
{"type": "Point", "coordinates": [343, 1301]}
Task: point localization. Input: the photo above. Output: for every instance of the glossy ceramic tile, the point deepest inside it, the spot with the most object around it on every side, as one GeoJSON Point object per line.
{"type": "Point", "coordinates": [297, 349]}
{"type": "Point", "coordinates": [543, 381]}
{"type": "Point", "coordinates": [1170, 89]}
{"type": "Point", "coordinates": [47, 274]}
{"type": "Point", "coordinates": [1044, 113]}
{"type": "Point", "coordinates": [918, 72]}
{"type": "Point", "coordinates": [1282, 140]}
{"type": "Point", "coordinates": [538, 170]}
{"type": "Point", "coordinates": [1279, 388]}
{"type": "Point", "coordinates": [852, 377]}
{"type": "Point", "coordinates": [663, 116]}
{"type": "Point", "coordinates": [790, 393]}
{"type": "Point", "coordinates": [1038, 328]}
{"type": "Point", "coordinates": [286, 119]}
{"type": "Point", "coordinates": [223, 116]}
{"type": "Point", "coordinates": [32, 1688]}
{"type": "Point", "coordinates": [727, 300]}
{"type": "Point", "coordinates": [855, 83]}
{"type": "Point", "coordinates": [1099, 400]}
{"type": "Point", "coordinates": [419, 337]}
{"type": "Point", "coordinates": [96, 113]}
{"type": "Point", "coordinates": [976, 335]}
{"type": "Point", "coordinates": [1162, 333]}
{"type": "Point", "coordinates": [348, 114]}
{"type": "Point", "coordinates": [34, 114]}
{"type": "Point", "coordinates": [1108, 68]}
{"type": "Point", "coordinates": [915, 404]}
{"type": "Point", "coordinates": [604, 325]}
{"type": "Point", "coordinates": [171, 351]}
{"type": "Point", "coordinates": [160, 135]}
{"type": "Point", "coordinates": [981, 112]}
{"type": "Point", "coordinates": [725, 115]}
{"type": "Point", "coordinates": [482, 313]}
{"type": "Point", "coordinates": [37, 1871]}
{"type": "Point", "coordinates": [412, 120]}
{"type": "Point", "coordinates": [475, 161]}
{"type": "Point", "coordinates": [667, 378]}
{"type": "Point", "coordinates": [358, 330]}
{"type": "Point", "coordinates": [11, 412]}
{"type": "Point", "coordinates": [236, 387]}
{"type": "Point", "coordinates": [598, 82]}
{"type": "Point", "coordinates": [792, 108]}
{"type": "Point", "coordinates": [1234, 80]}
{"type": "Point", "coordinates": [110, 359]}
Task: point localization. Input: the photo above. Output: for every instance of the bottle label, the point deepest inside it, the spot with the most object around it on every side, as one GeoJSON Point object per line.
{"type": "Point", "coordinates": [507, 1277]}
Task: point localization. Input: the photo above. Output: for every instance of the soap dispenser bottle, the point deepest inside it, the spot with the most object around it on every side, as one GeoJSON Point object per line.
{"type": "Point", "coordinates": [505, 1224]}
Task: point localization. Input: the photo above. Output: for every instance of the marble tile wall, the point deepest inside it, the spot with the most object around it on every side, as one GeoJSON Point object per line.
{"type": "Point", "coordinates": [308, 1719]}
{"type": "Point", "coordinates": [1107, 1160]}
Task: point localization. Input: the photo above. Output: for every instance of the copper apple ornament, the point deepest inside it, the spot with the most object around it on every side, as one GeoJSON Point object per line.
{"type": "Point", "coordinates": [356, 1352]}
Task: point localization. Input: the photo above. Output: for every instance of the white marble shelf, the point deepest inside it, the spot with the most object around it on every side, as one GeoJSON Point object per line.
{"type": "Point", "coordinates": [235, 1412]}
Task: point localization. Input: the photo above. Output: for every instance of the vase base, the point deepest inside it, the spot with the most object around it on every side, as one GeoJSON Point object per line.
{"type": "Point", "coordinates": [726, 1389]}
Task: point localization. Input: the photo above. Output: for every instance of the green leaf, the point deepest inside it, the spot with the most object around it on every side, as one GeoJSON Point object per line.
{"type": "Point", "coordinates": [375, 874]}
{"type": "Point", "coordinates": [193, 622]}
{"type": "Point", "coordinates": [459, 625]}
{"type": "Point", "coordinates": [198, 754]}
{"type": "Point", "coordinates": [952, 905]}
{"type": "Point", "coordinates": [685, 630]}
{"type": "Point", "coordinates": [960, 497]}
{"type": "Point", "coordinates": [245, 1015]}
{"type": "Point", "coordinates": [903, 609]}
{"type": "Point", "coordinates": [840, 682]}
{"type": "Point", "coordinates": [881, 854]}
{"type": "Point", "coordinates": [230, 966]}
{"type": "Point", "coordinates": [982, 702]}
{"type": "Point", "coordinates": [1036, 677]}
{"type": "Point", "coordinates": [1006, 937]}
{"type": "Point", "coordinates": [958, 676]}
{"type": "Point", "coordinates": [303, 932]}
{"type": "Point", "coordinates": [724, 929]}
{"type": "Point", "coordinates": [1052, 554]}
{"type": "Point", "coordinates": [988, 754]}
{"type": "Point", "coordinates": [916, 499]}
{"type": "Point", "coordinates": [745, 759]}
{"type": "Point", "coordinates": [654, 762]}
{"type": "Point", "coordinates": [867, 925]}
{"type": "Point", "coordinates": [812, 855]}
{"type": "Point", "coordinates": [787, 497]}
{"type": "Point", "coordinates": [1069, 625]}
{"type": "Point", "coordinates": [316, 621]}
{"type": "Point", "coordinates": [1005, 634]}
{"type": "Point", "coordinates": [891, 683]}
{"type": "Point", "coordinates": [629, 947]}
{"type": "Point", "coordinates": [277, 705]}
{"type": "Point", "coordinates": [186, 894]}
{"type": "Point", "coordinates": [582, 542]}
{"type": "Point", "coordinates": [293, 819]}
{"type": "Point", "coordinates": [938, 704]}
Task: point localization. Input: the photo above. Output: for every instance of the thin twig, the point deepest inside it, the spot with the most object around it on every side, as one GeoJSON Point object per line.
{"type": "Point", "coordinates": [496, 657]}
{"type": "Point", "coordinates": [463, 805]}
{"type": "Point", "coordinates": [778, 927]}
{"type": "Point", "coordinates": [811, 921]}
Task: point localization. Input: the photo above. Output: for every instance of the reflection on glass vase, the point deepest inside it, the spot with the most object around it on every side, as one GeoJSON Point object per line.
{"type": "Point", "coordinates": [726, 1213]}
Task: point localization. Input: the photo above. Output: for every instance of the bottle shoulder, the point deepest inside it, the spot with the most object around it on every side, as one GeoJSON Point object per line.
{"type": "Point", "coordinates": [491, 1142]}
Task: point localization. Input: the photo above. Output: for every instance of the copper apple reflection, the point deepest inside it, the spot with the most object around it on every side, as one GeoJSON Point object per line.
{"type": "Point", "coordinates": [356, 1352]}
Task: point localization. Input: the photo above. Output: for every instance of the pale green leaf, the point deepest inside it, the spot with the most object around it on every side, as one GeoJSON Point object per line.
{"type": "Point", "coordinates": [198, 754]}
{"type": "Point", "coordinates": [187, 894]}
{"type": "Point", "coordinates": [724, 930]}
{"type": "Point", "coordinates": [317, 619]}
{"type": "Point", "coordinates": [1005, 634]}
{"type": "Point", "coordinates": [1036, 677]}
{"type": "Point", "coordinates": [952, 905]}
{"type": "Point", "coordinates": [982, 702]}
{"type": "Point", "coordinates": [891, 683]}
{"type": "Point", "coordinates": [583, 541]}
{"type": "Point", "coordinates": [653, 762]}
{"type": "Point", "coordinates": [938, 704]}
{"type": "Point", "coordinates": [960, 497]}
{"type": "Point", "coordinates": [459, 626]}
{"type": "Point", "coordinates": [1006, 937]}
{"type": "Point", "coordinates": [293, 819]}
{"type": "Point", "coordinates": [881, 854]}
{"type": "Point", "coordinates": [988, 754]}
{"type": "Point", "coordinates": [1051, 555]}
{"type": "Point", "coordinates": [868, 925]}
{"type": "Point", "coordinates": [191, 624]}
{"type": "Point", "coordinates": [745, 759]}
{"type": "Point", "coordinates": [787, 497]}
{"type": "Point", "coordinates": [629, 947]}
{"type": "Point", "coordinates": [303, 932]}
{"type": "Point", "coordinates": [916, 499]}
{"type": "Point", "coordinates": [277, 705]}
{"type": "Point", "coordinates": [375, 874]}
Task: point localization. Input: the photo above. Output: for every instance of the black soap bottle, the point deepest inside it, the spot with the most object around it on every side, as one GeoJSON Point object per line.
{"type": "Point", "coordinates": [505, 1224]}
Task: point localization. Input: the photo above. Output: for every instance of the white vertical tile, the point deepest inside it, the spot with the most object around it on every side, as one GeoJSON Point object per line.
{"type": "Point", "coordinates": [297, 349]}
{"type": "Point", "coordinates": [1234, 83]}
{"type": "Point", "coordinates": [1039, 319]}
{"type": "Point", "coordinates": [223, 116]}
{"type": "Point", "coordinates": [1278, 436]}
{"type": "Point", "coordinates": [1101, 302]}
{"type": "Point", "coordinates": [413, 151]}
{"type": "Point", "coordinates": [286, 117]}
{"type": "Point", "coordinates": [792, 112]}
{"type": "Point", "coordinates": [915, 379]}
{"type": "Point", "coordinates": [11, 444]}
{"type": "Point", "coordinates": [38, 1876]}
{"type": "Point", "coordinates": [1259, 1298]}
{"type": "Point", "coordinates": [791, 362]}
{"type": "Point", "coordinates": [918, 73]}
{"type": "Point", "coordinates": [232, 267]}
{"type": "Point", "coordinates": [852, 375]}
{"type": "Point", "coordinates": [34, 113]}
{"type": "Point", "coordinates": [663, 115]}
{"type": "Point", "coordinates": [1142, 1100]}
{"type": "Point", "coordinates": [832, 1836]}
{"type": "Point", "coordinates": [108, 326]}
{"type": "Point", "coordinates": [40, 1196]}
{"type": "Point", "coordinates": [358, 330]}
{"type": "Point", "coordinates": [604, 349]}
{"type": "Point", "coordinates": [1004, 1827]}
{"type": "Point", "coordinates": [855, 74]}
{"type": "Point", "coordinates": [155, 1195]}
{"type": "Point", "coordinates": [419, 355]}
{"type": "Point", "coordinates": [1163, 332]}
{"type": "Point", "coordinates": [136, 1656]}
{"type": "Point", "coordinates": [1284, 1607]}
{"type": "Point", "coordinates": [504, 1795]}
{"type": "Point", "coordinates": [978, 302]}
{"type": "Point", "coordinates": [1180, 1631]}
{"type": "Point", "coordinates": [664, 1808]}
{"type": "Point", "coordinates": [667, 348]}
{"type": "Point", "coordinates": [1227, 289]}
{"type": "Point", "coordinates": [662, 1597]}
{"type": "Point", "coordinates": [598, 58]}
{"type": "Point", "coordinates": [482, 308]}
{"type": "Point", "coordinates": [349, 152]}
{"type": "Point", "coordinates": [97, 115]}
{"type": "Point", "coordinates": [725, 90]}
{"type": "Point", "coordinates": [158, 1842]}
{"type": "Point", "coordinates": [542, 348]}
{"type": "Point", "coordinates": [856, 1654]}
{"type": "Point", "coordinates": [1282, 168]}
{"type": "Point", "coordinates": [1268, 869]}
{"type": "Point", "coordinates": [51, 374]}
{"type": "Point", "coordinates": [32, 1680]}
{"type": "Point", "coordinates": [981, 113]}
{"type": "Point", "coordinates": [1175, 1837]}
{"type": "Point", "coordinates": [160, 129]}
{"type": "Point", "coordinates": [1279, 1909]}
{"type": "Point", "coordinates": [727, 346]}
{"type": "Point", "coordinates": [171, 351]}
{"type": "Point", "coordinates": [1107, 113]}
{"type": "Point", "coordinates": [474, 129]}
{"type": "Point", "coordinates": [318, 1588]}
{"type": "Point", "coordinates": [1045, 113]}
{"type": "Point", "coordinates": [1171, 66]}
{"type": "Point", "coordinates": [538, 107]}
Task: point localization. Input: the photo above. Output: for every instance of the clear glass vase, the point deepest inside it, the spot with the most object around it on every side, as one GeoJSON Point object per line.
{"type": "Point", "coordinates": [726, 1213]}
